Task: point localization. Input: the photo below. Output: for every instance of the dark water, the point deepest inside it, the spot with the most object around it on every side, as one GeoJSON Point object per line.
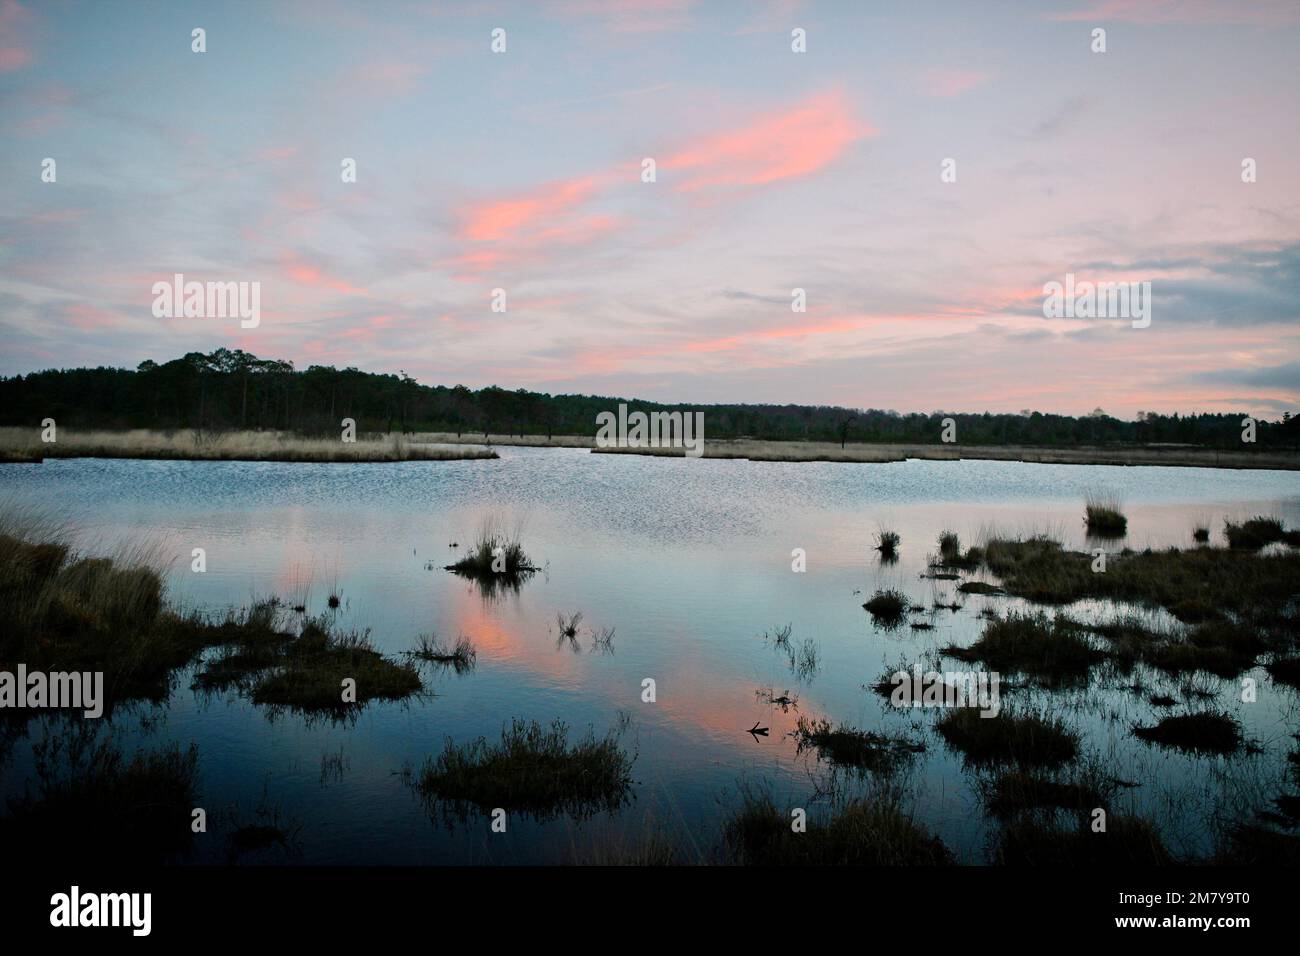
{"type": "Point", "coordinates": [690, 562]}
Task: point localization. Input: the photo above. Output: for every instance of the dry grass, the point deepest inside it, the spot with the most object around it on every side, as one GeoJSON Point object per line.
{"type": "Point", "coordinates": [1079, 455]}
{"type": "Point", "coordinates": [24, 444]}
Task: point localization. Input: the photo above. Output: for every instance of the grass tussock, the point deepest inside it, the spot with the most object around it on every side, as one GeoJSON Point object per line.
{"type": "Point", "coordinates": [459, 656]}
{"type": "Point", "coordinates": [1257, 532]}
{"type": "Point", "coordinates": [24, 444]}
{"type": "Point", "coordinates": [1014, 792]}
{"type": "Point", "coordinates": [311, 669]}
{"type": "Point", "coordinates": [1026, 740]}
{"type": "Point", "coordinates": [533, 770]}
{"type": "Point", "coordinates": [497, 554]}
{"type": "Point", "coordinates": [1126, 841]}
{"type": "Point", "coordinates": [1053, 650]}
{"type": "Point", "coordinates": [845, 746]}
{"type": "Point", "coordinates": [93, 802]}
{"type": "Point", "coordinates": [887, 605]}
{"type": "Point", "coordinates": [1104, 515]}
{"type": "Point", "coordinates": [863, 832]}
{"type": "Point", "coordinates": [1207, 732]}
{"type": "Point", "coordinates": [887, 542]}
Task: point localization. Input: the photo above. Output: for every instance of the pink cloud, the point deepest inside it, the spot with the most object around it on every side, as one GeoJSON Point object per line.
{"type": "Point", "coordinates": [777, 146]}
{"type": "Point", "coordinates": [15, 53]}
{"type": "Point", "coordinates": [627, 16]}
{"type": "Point", "coordinates": [952, 82]}
{"type": "Point", "coordinates": [309, 274]}
{"type": "Point", "coordinates": [515, 217]}
{"type": "Point", "coordinates": [1259, 12]}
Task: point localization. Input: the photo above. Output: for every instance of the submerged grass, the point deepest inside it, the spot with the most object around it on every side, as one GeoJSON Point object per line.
{"type": "Point", "coordinates": [1026, 740]}
{"type": "Point", "coordinates": [1207, 732]}
{"type": "Point", "coordinates": [94, 803]}
{"type": "Point", "coordinates": [846, 746]}
{"type": "Point", "coordinates": [1052, 650]}
{"type": "Point", "coordinates": [460, 656]}
{"type": "Point", "coordinates": [862, 832]}
{"type": "Point", "coordinates": [533, 769]}
{"type": "Point", "coordinates": [1126, 841]}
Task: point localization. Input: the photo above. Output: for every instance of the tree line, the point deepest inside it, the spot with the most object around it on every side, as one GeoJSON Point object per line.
{"type": "Point", "coordinates": [232, 389]}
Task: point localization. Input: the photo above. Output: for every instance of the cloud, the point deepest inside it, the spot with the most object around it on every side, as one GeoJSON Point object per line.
{"type": "Point", "coordinates": [952, 82]}
{"type": "Point", "coordinates": [780, 145]}
{"type": "Point", "coordinates": [1202, 12]}
{"type": "Point", "coordinates": [15, 49]}
{"type": "Point", "coordinates": [1284, 377]}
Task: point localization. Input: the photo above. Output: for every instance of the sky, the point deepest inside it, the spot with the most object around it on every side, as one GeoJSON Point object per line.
{"type": "Point", "coordinates": [774, 170]}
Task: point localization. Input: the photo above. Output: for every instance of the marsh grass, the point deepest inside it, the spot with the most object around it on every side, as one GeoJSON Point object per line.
{"type": "Point", "coordinates": [869, 832]}
{"type": "Point", "coordinates": [1195, 585]}
{"type": "Point", "coordinates": [1126, 841]}
{"type": "Point", "coordinates": [1206, 732]}
{"type": "Point", "coordinates": [1014, 792]}
{"type": "Point", "coordinates": [1104, 514]}
{"type": "Point", "coordinates": [310, 671]}
{"type": "Point", "coordinates": [887, 605]}
{"type": "Point", "coordinates": [496, 560]}
{"type": "Point", "coordinates": [533, 770]}
{"type": "Point", "coordinates": [93, 803]}
{"type": "Point", "coordinates": [24, 444]}
{"type": "Point", "coordinates": [1026, 740]}
{"type": "Point", "coordinates": [949, 546]}
{"type": "Point", "coordinates": [1052, 650]}
{"type": "Point", "coordinates": [887, 542]}
{"type": "Point", "coordinates": [459, 656]}
{"type": "Point", "coordinates": [1257, 532]}
{"type": "Point", "coordinates": [846, 746]}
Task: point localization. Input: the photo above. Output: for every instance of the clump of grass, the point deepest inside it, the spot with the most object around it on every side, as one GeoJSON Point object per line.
{"type": "Point", "coordinates": [1201, 534]}
{"type": "Point", "coordinates": [312, 668]}
{"type": "Point", "coordinates": [532, 770]}
{"type": "Point", "coordinates": [93, 803]}
{"type": "Point", "coordinates": [603, 640]}
{"type": "Point", "coordinates": [1024, 740]}
{"type": "Point", "coordinates": [1209, 732]}
{"type": "Point", "coordinates": [497, 552]}
{"type": "Point", "coordinates": [1104, 514]}
{"type": "Point", "coordinates": [1285, 670]}
{"type": "Point", "coordinates": [1195, 585]}
{"type": "Point", "coordinates": [568, 627]}
{"type": "Point", "coordinates": [887, 542]}
{"type": "Point", "coordinates": [949, 546]}
{"type": "Point", "coordinates": [869, 833]}
{"type": "Point", "coordinates": [1254, 845]}
{"type": "Point", "coordinates": [887, 605]}
{"type": "Point", "coordinates": [460, 656]}
{"type": "Point", "coordinates": [1257, 532]}
{"type": "Point", "coordinates": [1126, 841]}
{"type": "Point", "coordinates": [846, 746]}
{"type": "Point", "coordinates": [1014, 792]}
{"type": "Point", "coordinates": [1053, 649]}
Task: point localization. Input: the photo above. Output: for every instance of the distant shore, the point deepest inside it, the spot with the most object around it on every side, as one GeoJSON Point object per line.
{"type": "Point", "coordinates": [1183, 456]}
{"type": "Point", "coordinates": [25, 445]}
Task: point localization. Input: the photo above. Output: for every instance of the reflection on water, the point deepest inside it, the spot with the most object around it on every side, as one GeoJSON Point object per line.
{"type": "Point", "coordinates": [681, 572]}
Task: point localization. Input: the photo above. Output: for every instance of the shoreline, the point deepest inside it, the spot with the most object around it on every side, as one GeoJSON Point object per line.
{"type": "Point", "coordinates": [18, 446]}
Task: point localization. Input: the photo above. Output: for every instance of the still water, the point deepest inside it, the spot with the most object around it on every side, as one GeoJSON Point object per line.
{"type": "Point", "coordinates": [690, 562]}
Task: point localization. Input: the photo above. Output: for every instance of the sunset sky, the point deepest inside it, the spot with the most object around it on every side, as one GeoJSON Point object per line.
{"type": "Point", "coordinates": [775, 170]}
